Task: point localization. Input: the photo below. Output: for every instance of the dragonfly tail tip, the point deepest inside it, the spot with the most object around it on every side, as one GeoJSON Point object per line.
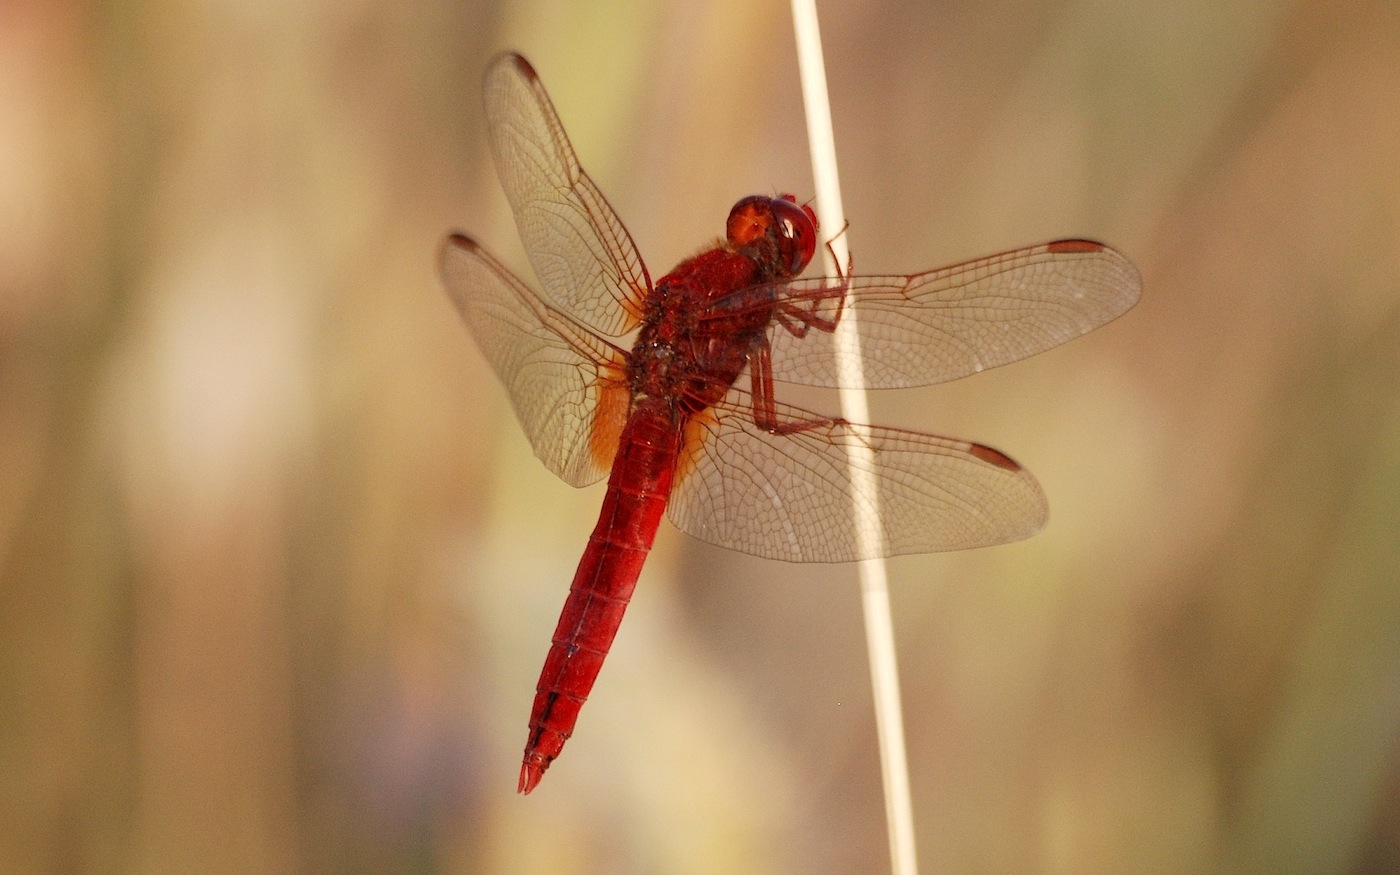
{"type": "Point", "coordinates": [529, 778]}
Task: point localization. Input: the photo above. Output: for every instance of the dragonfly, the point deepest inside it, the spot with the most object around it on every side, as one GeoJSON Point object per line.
{"type": "Point", "coordinates": [612, 374]}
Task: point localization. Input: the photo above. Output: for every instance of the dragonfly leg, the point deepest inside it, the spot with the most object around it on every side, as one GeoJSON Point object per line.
{"type": "Point", "coordinates": [798, 320]}
{"type": "Point", "coordinates": [765, 414]}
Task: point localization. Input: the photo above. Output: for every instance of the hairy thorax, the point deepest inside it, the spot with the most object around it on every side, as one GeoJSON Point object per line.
{"type": "Point", "coordinates": [699, 328]}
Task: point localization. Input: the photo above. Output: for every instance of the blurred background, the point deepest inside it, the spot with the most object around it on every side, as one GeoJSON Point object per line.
{"type": "Point", "coordinates": [278, 569]}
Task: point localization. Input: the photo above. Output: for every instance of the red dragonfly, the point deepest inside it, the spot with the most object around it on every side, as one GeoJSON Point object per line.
{"type": "Point", "coordinates": [609, 371]}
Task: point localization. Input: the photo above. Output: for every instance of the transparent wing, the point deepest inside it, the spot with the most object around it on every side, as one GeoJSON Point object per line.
{"type": "Point", "coordinates": [955, 321]}
{"type": "Point", "coordinates": [586, 261]}
{"type": "Point", "coordinates": [566, 385]}
{"type": "Point", "coordinates": [789, 496]}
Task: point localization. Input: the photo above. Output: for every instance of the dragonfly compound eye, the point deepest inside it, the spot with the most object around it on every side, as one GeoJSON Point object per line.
{"type": "Point", "coordinates": [797, 233]}
{"type": "Point", "coordinates": [749, 221]}
{"type": "Point", "coordinates": [792, 229]}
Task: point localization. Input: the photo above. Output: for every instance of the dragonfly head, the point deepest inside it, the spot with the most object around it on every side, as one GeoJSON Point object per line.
{"type": "Point", "coordinates": [758, 221]}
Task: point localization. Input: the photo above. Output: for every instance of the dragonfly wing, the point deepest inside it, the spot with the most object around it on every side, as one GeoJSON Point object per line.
{"type": "Point", "coordinates": [566, 384]}
{"type": "Point", "coordinates": [586, 261]}
{"type": "Point", "coordinates": [955, 321]}
{"type": "Point", "coordinates": [789, 496]}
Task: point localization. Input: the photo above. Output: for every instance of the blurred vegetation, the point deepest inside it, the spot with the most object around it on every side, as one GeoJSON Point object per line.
{"type": "Point", "coordinates": [277, 570]}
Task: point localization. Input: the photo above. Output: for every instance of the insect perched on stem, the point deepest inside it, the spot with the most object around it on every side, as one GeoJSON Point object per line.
{"type": "Point", "coordinates": [614, 375]}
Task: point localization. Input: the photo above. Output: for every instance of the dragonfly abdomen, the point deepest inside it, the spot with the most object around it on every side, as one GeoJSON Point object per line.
{"type": "Point", "coordinates": [638, 490]}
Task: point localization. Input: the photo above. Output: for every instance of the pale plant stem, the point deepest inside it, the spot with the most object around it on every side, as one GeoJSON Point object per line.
{"type": "Point", "coordinates": [875, 597]}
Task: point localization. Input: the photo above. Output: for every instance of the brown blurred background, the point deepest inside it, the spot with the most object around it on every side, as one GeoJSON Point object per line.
{"type": "Point", "coordinates": [278, 569]}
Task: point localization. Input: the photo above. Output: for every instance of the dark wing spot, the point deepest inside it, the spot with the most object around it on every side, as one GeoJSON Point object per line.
{"type": "Point", "coordinates": [994, 457]}
{"type": "Point", "coordinates": [1074, 246]}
